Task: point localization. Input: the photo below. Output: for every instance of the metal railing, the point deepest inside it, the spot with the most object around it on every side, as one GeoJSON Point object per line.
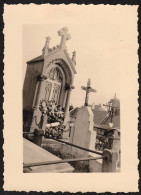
{"type": "Point", "coordinates": [76, 146]}
{"type": "Point", "coordinates": [73, 145]}
{"type": "Point", "coordinates": [28, 133]}
{"type": "Point", "coordinates": [59, 161]}
{"type": "Point", "coordinates": [109, 157]}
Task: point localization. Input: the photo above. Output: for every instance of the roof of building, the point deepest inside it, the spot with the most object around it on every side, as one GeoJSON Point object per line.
{"type": "Point", "coordinates": [99, 107]}
{"type": "Point", "coordinates": [39, 58]}
{"type": "Point", "coordinates": [105, 127]}
{"type": "Point", "coordinates": [115, 121]}
{"type": "Point", "coordinates": [101, 118]}
{"type": "Point", "coordinates": [99, 115]}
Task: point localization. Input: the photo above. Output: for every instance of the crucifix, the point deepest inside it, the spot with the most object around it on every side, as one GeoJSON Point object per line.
{"type": "Point", "coordinates": [64, 36]}
{"type": "Point", "coordinates": [88, 89]}
{"type": "Point", "coordinates": [111, 109]}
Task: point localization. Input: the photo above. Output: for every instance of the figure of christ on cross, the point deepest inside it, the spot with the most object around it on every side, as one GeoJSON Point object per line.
{"type": "Point", "coordinates": [88, 89]}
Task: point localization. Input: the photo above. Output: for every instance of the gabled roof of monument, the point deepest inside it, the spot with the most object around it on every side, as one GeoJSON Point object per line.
{"type": "Point", "coordinates": [39, 58]}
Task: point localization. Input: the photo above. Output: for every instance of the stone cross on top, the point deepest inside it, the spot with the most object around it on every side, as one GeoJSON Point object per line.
{"type": "Point", "coordinates": [88, 89]}
{"type": "Point", "coordinates": [64, 36]}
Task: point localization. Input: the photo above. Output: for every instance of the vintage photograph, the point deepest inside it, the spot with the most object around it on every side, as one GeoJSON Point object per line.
{"type": "Point", "coordinates": [71, 98]}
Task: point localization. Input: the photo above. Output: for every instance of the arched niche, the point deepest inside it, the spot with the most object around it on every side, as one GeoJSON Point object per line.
{"type": "Point", "coordinates": [64, 67]}
{"type": "Point", "coordinates": [58, 77]}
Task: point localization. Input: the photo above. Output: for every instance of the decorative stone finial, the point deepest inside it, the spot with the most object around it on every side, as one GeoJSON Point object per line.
{"type": "Point", "coordinates": [74, 57]}
{"type": "Point", "coordinates": [46, 47]}
{"type": "Point", "coordinates": [64, 36]}
{"type": "Point", "coordinates": [48, 39]}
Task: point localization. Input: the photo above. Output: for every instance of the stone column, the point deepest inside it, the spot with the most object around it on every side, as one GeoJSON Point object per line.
{"type": "Point", "coordinates": [44, 122]}
{"type": "Point", "coordinates": [36, 112]}
{"type": "Point", "coordinates": [69, 88]}
{"type": "Point", "coordinates": [38, 136]}
{"type": "Point", "coordinates": [40, 79]}
{"type": "Point", "coordinates": [116, 145]}
{"type": "Point", "coordinates": [109, 162]}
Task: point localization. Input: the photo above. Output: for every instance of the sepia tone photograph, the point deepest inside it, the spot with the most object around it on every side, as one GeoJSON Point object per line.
{"type": "Point", "coordinates": [71, 100]}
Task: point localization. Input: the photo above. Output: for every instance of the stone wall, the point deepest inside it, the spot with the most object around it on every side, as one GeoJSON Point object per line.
{"type": "Point", "coordinates": [32, 72]}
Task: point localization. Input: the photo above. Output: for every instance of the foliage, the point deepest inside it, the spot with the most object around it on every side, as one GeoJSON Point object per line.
{"type": "Point", "coordinates": [60, 150]}
{"type": "Point", "coordinates": [56, 117]}
{"type": "Point", "coordinates": [104, 141]}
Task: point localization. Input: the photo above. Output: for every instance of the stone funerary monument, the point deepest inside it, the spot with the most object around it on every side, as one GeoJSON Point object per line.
{"type": "Point", "coordinates": [48, 77]}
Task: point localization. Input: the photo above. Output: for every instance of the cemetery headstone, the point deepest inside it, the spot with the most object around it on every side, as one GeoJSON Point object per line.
{"type": "Point", "coordinates": [82, 133]}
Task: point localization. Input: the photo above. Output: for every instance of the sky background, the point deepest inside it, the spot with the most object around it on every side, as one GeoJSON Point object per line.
{"type": "Point", "coordinates": [97, 56]}
{"type": "Point", "coordinates": [97, 46]}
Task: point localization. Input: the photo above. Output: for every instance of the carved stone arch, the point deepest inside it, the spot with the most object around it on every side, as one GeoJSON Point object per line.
{"type": "Point", "coordinates": [55, 74]}
{"type": "Point", "coordinates": [67, 81]}
{"type": "Point", "coordinates": [64, 66]}
{"type": "Point", "coordinates": [55, 68]}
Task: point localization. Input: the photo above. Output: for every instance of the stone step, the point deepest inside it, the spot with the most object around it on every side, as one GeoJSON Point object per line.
{"type": "Point", "coordinates": [33, 153]}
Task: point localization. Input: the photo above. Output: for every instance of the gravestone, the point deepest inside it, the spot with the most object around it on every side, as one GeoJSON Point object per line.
{"type": "Point", "coordinates": [82, 133]}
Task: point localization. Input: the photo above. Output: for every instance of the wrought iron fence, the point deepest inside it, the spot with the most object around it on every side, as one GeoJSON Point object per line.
{"type": "Point", "coordinates": [103, 143]}
{"type": "Point", "coordinates": [104, 139]}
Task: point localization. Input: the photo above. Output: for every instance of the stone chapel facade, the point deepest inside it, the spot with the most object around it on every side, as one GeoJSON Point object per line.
{"type": "Point", "coordinates": [48, 77]}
